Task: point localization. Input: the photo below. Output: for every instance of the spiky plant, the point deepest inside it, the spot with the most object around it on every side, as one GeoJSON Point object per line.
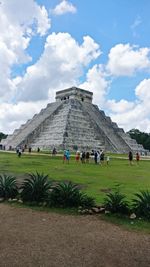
{"type": "Point", "coordinates": [86, 202]}
{"type": "Point", "coordinates": [115, 202]}
{"type": "Point", "coordinates": [35, 188]}
{"type": "Point", "coordinates": [65, 194]}
{"type": "Point", "coordinates": [141, 204]}
{"type": "Point", "coordinates": [8, 186]}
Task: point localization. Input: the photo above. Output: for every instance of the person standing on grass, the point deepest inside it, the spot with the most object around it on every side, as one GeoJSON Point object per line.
{"type": "Point", "coordinates": [54, 151]}
{"type": "Point", "coordinates": [107, 160]}
{"type": "Point", "coordinates": [64, 156]}
{"type": "Point", "coordinates": [19, 152]}
{"type": "Point", "coordinates": [137, 158]}
{"type": "Point", "coordinates": [98, 157]}
{"type": "Point", "coordinates": [87, 156]}
{"type": "Point", "coordinates": [130, 157]}
{"type": "Point", "coordinates": [83, 157]}
{"type": "Point", "coordinates": [77, 156]}
{"type": "Point", "coordinates": [95, 157]}
{"type": "Point", "coordinates": [67, 155]}
{"type": "Point", "coordinates": [102, 157]}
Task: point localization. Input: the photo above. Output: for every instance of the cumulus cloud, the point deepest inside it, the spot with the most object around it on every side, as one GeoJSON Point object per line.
{"type": "Point", "coordinates": [64, 7]}
{"type": "Point", "coordinates": [138, 118]}
{"type": "Point", "coordinates": [97, 83]}
{"type": "Point", "coordinates": [19, 21]}
{"type": "Point", "coordinates": [125, 60]}
{"type": "Point", "coordinates": [13, 115]}
{"type": "Point", "coordinates": [142, 91]}
{"type": "Point", "coordinates": [133, 114]}
{"type": "Point", "coordinates": [25, 14]}
{"type": "Point", "coordinates": [121, 106]}
{"type": "Point", "coordinates": [60, 66]}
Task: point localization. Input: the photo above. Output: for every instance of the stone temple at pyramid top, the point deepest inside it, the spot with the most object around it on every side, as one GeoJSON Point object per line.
{"type": "Point", "coordinates": [74, 93]}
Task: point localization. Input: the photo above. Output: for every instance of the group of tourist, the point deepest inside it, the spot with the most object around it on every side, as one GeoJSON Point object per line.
{"type": "Point", "coordinates": [20, 150]}
{"type": "Point", "coordinates": [95, 155]}
{"type": "Point", "coordinates": [130, 157]}
{"type": "Point", "coordinates": [84, 156]}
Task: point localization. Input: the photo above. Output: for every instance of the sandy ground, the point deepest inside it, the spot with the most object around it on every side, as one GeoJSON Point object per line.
{"type": "Point", "coordinates": [34, 238]}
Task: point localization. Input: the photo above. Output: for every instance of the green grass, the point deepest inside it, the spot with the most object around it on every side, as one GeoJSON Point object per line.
{"type": "Point", "coordinates": [67, 211]}
{"type": "Point", "coordinates": [95, 180]}
{"type": "Point", "coordinates": [136, 224]}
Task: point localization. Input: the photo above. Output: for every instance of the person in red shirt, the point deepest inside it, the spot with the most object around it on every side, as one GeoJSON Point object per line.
{"type": "Point", "coordinates": [137, 157]}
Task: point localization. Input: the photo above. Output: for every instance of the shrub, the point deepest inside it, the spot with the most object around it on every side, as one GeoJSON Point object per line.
{"type": "Point", "coordinates": [141, 204]}
{"type": "Point", "coordinates": [35, 188]}
{"type": "Point", "coordinates": [86, 202]}
{"type": "Point", "coordinates": [8, 186]}
{"type": "Point", "coordinates": [65, 194]}
{"type": "Point", "coordinates": [115, 202]}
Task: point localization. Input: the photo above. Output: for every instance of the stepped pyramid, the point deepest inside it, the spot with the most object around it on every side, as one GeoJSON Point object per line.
{"type": "Point", "coordinates": [72, 122]}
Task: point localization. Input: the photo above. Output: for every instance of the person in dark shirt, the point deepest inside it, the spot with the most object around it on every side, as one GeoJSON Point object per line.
{"type": "Point", "coordinates": [130, 157]}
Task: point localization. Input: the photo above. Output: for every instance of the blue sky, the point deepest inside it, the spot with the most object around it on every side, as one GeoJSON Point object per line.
{"type": "Point", "coordinates": [102, 46]}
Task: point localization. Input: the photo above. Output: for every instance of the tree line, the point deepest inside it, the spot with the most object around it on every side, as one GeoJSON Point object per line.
{"type": "Point", "coordinates": [140, 137]}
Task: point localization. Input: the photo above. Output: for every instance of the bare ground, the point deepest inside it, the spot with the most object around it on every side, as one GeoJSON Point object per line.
{"type": "Point", "coordinates": [34, 238]}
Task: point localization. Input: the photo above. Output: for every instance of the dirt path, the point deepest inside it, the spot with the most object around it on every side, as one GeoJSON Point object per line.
{"type": "Point", "coordinates": [40, 239]}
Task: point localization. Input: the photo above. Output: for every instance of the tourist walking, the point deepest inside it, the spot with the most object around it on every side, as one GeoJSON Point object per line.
{"type": "Point", "coordinates": [87, 156]}
{"type": "Point", "coordinates": [130, 157]}
{"type": "Point", "coordinates": [54, 151]}
{"type": "Point", "coordinates": [95, 157]}
{"type": "Point", "coordinates": [102, 155]}
{"type": "Point", "coordinates": [83, 157]}
{"type": "Point", "coordinates": [64, 156]}
{"type": "Point", "coordinates": [77, 156]}
{"type": "Point", "coordinates": [67, 155]}
{"type": "Point", "coordinates": [137, 158]}
{"type": "Point", "coordinates": [107, 160]}
{"type": "Point", "coordinates": [19, 152]}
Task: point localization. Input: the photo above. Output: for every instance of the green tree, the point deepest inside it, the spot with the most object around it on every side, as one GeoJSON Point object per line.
{"type": "Point", "coordinates": [141, 137]}
{"type": "Point", "coordinates": [2, 136]}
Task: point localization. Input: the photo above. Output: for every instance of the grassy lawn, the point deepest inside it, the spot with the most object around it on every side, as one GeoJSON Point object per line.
{"type": "Point", "coordinates": [95, 180]}
{"type": "Point", "coordinates": [127, 223]}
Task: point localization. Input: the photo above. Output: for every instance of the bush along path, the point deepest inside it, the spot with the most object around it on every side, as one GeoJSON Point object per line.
{"type": "Point", "coordinates": [38, 190]}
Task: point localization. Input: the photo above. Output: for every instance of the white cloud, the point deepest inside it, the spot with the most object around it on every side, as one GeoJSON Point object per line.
{"type": "Point", "coordinates": [97, 83]}
{"type": "Point", "coordinates": [13, 115]}
{"type": "Point", "coordinates": [125, 60]}
{"type": "Point", "coordinates": [138, 118]}
{"type": "Point", "coordinates": [142, 91]}
{"type": "Point", "coordinates": [133, 114]}
{"type": "Point", "coordinates": [26, 14]}
{"type": "Point", "coordinates": [121, 106]}
{"type": "Point", "coordinates": [60, 66]}
{"type": "Point", "coordinates": [135, 24]}
{"type": "Point", "coordinates": [64, 7]}
{"type": "Point", "coordinates": [19, 21]}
